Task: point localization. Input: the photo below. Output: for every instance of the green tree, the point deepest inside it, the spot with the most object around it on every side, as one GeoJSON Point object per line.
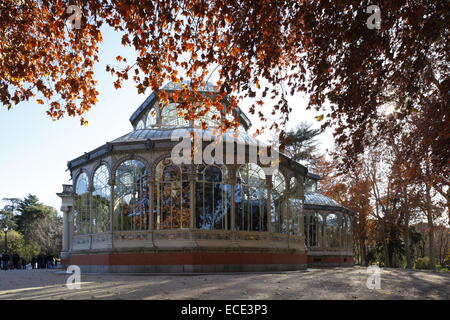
{"type": "Point", "coordinates": [13, 204]}
{"type": "Point", "coordinates": [7, 224]}
{"type": "Point", "coordinates": [301, 145]}
{"type": "Point", "coordinates": [40, 225]}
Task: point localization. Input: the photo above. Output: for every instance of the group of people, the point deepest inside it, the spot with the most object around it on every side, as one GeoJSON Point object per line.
{"type": "Point", "coordinates": [16, 262]}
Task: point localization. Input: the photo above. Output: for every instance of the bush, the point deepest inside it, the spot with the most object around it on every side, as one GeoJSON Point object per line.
{"type": "Point", "coordinates": [422, 263]}
{"type": "Point", "coordinates": [441, 268]}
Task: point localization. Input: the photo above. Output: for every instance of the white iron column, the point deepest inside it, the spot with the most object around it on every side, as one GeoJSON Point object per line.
{"type": "Point", "coordinates": [66, 231]}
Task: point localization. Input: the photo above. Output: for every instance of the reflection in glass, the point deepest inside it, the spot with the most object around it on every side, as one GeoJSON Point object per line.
{"type": "Point", "coordinates": [278, 207]}
{"type": "Point", "coordinates": [251, 198]}
{"type": "Point", "coordinates": [172, 196]}
{"type": "Point", "coordinates": [131, 205]}
{"type": "Point", "coordinates": [81, 205]}
{"type": "Point", "coordinates": [332, 230]}
{"type": "Point", "coordinates": [295, 207]}
{"type": "Point", "coordinates": [212, 198]}
{"type": "Point", "coordinates": [100, 200]}
{"type": "Point", "coordinates": [313, 229]}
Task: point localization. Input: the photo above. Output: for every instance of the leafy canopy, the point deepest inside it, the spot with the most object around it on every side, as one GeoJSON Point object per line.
{"type": "Point", "coordinates": [367, 84]}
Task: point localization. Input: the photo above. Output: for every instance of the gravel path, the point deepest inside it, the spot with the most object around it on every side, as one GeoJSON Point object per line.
{"type": "Point", "coordinates": [336, 283]}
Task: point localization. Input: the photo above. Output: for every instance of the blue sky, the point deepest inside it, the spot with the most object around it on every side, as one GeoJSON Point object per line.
{"type": "Point", "coordinates": [34, 150]}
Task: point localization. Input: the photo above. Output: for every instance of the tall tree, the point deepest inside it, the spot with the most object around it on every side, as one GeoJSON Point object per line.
{"type": "Point", "coordinates": [39, 224]}
{"type": "Point", "coordinates": [7, 224]}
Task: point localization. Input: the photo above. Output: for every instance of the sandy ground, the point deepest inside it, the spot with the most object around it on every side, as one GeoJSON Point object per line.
{"type": "Point", "coordinates": [336, 283]}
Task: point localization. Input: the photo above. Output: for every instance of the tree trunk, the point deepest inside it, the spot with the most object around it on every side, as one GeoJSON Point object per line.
{"type": "Point", "coordinates": [431, 243]}
{"type": "Point", "coordinates": [407, 235]}
{"type": "Point", "coordinates": [430, 223]}
{"type": "Point", "coordinates": [408, 249]}
{"type": "Point", "coordinates": [362, 252]}
{"type": "Point", "coordinates": [386, 255]}
{"type": "Point", "coordinates": [407, 242]}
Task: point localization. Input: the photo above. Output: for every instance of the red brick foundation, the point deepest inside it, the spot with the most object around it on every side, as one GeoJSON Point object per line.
{"type": "Point", "coordinates": [188, 261]}
{"type": "Point", "coordinates": [186, 258]}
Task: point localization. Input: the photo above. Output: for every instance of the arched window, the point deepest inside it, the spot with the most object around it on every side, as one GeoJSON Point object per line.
{"type": "Point", "coordinates": [251, 198]}
{"type": "Point", "coordinates": [279, 211]}
{"type": "Point", "coordinates": [101, 201]}
{"type": "Point", "coordinates": [140, 125]}
{"type": "Point", "coordinates": [131, 206]}
{"type": "Point", "coordinates": [332, 230]}
{"type": "Point", "coordinates": [212, 198]}
{"type": "Point", "coordinates": [172, 196]}
{"type": "Point", "coordinates": [313, 229]}
{"type": "Point", "coordinates": [171, 116]}
{"type": "Point", "coordinates": [82, 219]}
{"type": "Point", "coordinates": [151, 118]}
{"type": "Point", "coordinates": [295, 207]}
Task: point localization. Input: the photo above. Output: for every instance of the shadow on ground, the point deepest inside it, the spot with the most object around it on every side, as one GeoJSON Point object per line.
{"type": "Point", "coordinates": [312, 284]}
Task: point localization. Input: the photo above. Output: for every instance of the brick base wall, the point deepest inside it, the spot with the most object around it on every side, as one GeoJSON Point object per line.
{"type": "Point", "coordinates": [179, 262]}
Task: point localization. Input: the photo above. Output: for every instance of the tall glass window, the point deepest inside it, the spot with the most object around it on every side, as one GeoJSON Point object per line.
{"type": "Point", "coordinates": [172, 196]}
{"type": "Point", "coordinates": [295, 207]}
{"type": "Point", "coordinates": [332, 233]}
{"type": "Point", "coordinates": [313, 229]}
{"type": "Point", "coordinates": [251, 198]}
{"type": "Point", "coordinates": [278, 207]}
{"type": "Point", "coordinates": [81, 206]}
{"type": "Point", "coordinates": [212, 198]}
{"type": "Point", "coordinates": [101, 201]}
{"type": "Point", "coordinates": [131, 205]}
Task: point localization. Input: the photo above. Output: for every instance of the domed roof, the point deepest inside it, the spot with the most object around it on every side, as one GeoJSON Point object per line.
{"type": "Point", "coordinates": [150, 101]}
{"type": "Point", "coordinates": [168, 133]}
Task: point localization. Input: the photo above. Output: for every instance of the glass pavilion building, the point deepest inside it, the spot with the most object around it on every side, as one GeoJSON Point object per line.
{"type": "Point", "coordinates": [132, 208]}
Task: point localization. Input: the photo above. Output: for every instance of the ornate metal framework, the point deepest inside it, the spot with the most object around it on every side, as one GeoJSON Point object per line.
{"type": "Point", "coordinates": [129, 195]}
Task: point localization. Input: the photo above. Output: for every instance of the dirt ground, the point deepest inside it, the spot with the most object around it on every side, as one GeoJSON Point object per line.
{"type": "Point", "coordinates": [336, 283]}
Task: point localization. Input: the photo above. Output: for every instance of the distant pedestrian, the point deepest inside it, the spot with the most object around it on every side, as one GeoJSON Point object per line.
{"type": "Point", "coordinates": [16, 260]}
{"type": "Point", "coordinates": [41, 262]}
{"type": "Point", "coordinates": [5, 260]}
{"type": "Point", "coordinates": [23, 262]}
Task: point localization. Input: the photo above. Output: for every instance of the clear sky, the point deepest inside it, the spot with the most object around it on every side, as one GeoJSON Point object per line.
{"type": "Point", "coordinates": [34, 150]}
